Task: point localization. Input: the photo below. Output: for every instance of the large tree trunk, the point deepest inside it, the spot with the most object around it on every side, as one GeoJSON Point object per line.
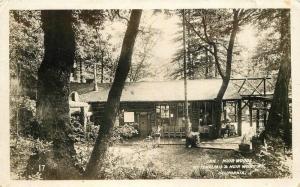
{"type": "Point", "coordinates": [279, 113]}
{"type": "Point", "coordinates": [113, 101]}
{"type": "Point", "coordinates": [218, 107]}
{"type": "Point", "coordinates": [226, 78]}
{"type": "Point", "coordinates": [52, 97]}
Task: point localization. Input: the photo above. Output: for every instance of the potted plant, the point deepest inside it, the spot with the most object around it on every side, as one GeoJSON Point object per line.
{"type": "Point", "coordinates": [244, 146]}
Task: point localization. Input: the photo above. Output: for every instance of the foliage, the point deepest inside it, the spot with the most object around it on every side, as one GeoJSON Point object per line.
{"type": "Point", "coordinates": [93, 46]}
{"type": "Point", "coordinates": [118, 166]}
{"type": "Point", "coordinates": [126, 130]}
{"type": "Point", "coordinates": [83, 150]}
{"type": "Point", "coordinates": [279, 114]}
{"type": "Point", "coordinates": [26, 48]}
{"type": "Point", "coordinates": [120, 133]}
{"type": "Point", "coordinates": [200, 62]}
{"type": "Point", "coordinates": [149, 171]}
{"type": "Point", "coordinates": [200, 173]}
{"type": "Point", "coordinates": [140, 161]}
{"type": "Point", "coordinates": [141, 67]}
{"type": "Point", "coordinates": [81, 135]}
{"type": "Point", "coordinates": [22, 114]}
{"type": "Point", "coordinates": [93, 131]}
{"type": "Point", "coordinates": [207, 31]}
{"type": "Point", "coordinates": [78, 133]}
{"type": "Point", "coordinates": [267, 55]}
{"type": "Point", "coordinates": [21, 148]}
{"type": "Point", "coordinates": [273, 157]}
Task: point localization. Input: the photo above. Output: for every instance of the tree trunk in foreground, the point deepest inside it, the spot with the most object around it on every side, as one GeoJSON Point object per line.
{"type": "Point", "coordinates": [226, 78]}
{"type": "Point", "coordinates": [113, 101]}
{"type": "Point", "coordinates": [52, 97]}
{"type": "Point", "coordinates": [279, 113]}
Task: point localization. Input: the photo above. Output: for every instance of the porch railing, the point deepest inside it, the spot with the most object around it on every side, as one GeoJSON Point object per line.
{"type": "Point", "coordinates": [173, 131]}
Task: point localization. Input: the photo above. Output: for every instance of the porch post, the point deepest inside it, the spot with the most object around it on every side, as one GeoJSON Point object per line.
{"type": "Point", "coordinates": [239, 127]}
{"type": "Point", "coordinates": [224, 111]}
{"type": "Point", "coordinates": [257, 119]}
{"type": "Point", "coordinates": [250, 113]}
{"type": "Point", "coordinates": [265, 113]}
{"type": "Point", "coordinates": [235, 112]}
{"type": "Point", "coordinates": [83, 119]}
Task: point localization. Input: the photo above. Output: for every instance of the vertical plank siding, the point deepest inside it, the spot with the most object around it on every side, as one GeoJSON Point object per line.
{"type": "Point", "coordinates": [170, 125]}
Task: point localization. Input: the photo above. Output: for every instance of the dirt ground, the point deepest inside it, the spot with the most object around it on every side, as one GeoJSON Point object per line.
{"type": "Point", "coordinates": [181, 162]}
{"type": "Point", "coordinates": [145, 160]}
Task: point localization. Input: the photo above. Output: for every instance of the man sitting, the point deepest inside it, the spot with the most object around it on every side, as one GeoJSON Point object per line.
{"type": "Point", "coordinates": [225, 129]}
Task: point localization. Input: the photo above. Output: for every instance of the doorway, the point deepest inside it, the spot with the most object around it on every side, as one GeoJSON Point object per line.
{"type": "Point", "coordinates": [144, 124]}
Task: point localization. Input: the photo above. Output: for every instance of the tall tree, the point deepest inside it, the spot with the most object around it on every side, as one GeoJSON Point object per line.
{"type": "Point", "coordinates": [113, 102]}
{"type": "Point", "coordinates": [199, 64]}
{"type": "Point", "coordinates": [216, 31]}
{"type": "Point", "coordinates": [226, 76]}
{"type": "Point", "coordinates": [279, 113]}
{"type": "Point", "coordinates": [53, 93]}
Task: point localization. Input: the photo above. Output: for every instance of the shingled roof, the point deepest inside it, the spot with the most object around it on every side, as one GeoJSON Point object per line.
{"type": "Point", "coordinates": [198, 90]}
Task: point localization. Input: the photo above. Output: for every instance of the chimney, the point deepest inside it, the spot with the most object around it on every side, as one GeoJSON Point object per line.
{"type": "Point", "coordinates": [95, 77]}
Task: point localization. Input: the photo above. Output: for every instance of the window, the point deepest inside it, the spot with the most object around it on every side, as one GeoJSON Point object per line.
{"type": "Point", "coordinates": [163, 111]}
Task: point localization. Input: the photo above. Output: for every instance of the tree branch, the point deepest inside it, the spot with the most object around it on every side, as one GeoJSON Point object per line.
{"type": "Point", "coordinates": [121, 17]}
{"type": "Point", "coordinates": [205, 30]}
{"type": "Point", "coordinates": [215, 54]}
{"type": "Point", "coordinates": [195, 31]}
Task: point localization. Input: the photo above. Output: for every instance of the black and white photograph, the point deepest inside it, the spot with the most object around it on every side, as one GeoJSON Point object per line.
{"type": "Point", "coordinates": [128, 94]}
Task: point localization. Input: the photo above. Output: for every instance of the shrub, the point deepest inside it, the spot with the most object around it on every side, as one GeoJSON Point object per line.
{"type": "Point", "coordinates": [21, 148]}
{"type": "Point", "coordinates": [22, 114]}
{"type": "Point", "coordinates": [274, 159]}
{"type": "Point", "coordinates": [83, 152]}
{"type": "Point", "coordinates": [119, 167]}
{"type": "Point", "coordinates": [119, 133]}
{"type": "Point", "coordinates": [200, 173]}
{"type": "Point", "coordinates": [126, 130]}
{"type": "Point", "coordinates": [77, 130]}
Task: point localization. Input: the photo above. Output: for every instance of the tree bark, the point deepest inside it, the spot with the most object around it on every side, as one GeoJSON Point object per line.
{"type": "Point", "coordinates": [52, 96]}
{"type": "Point", "coordinates": [113, 101]}
{"type": "Point", "coordinates": [226, 78]}
{"type": "Point", "coordinates": [279, 113]}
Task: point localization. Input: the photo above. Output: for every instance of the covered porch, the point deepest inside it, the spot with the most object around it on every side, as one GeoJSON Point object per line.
{"type": "Point", "coordinates": [169, 117]}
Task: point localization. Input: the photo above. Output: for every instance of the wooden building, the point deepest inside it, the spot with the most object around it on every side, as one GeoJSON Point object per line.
{"type": "Point", "coordinates": [149, 104]}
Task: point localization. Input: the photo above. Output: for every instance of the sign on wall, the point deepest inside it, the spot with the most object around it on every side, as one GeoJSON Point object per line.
{"type": "Point", "coordinates": [128, 117]}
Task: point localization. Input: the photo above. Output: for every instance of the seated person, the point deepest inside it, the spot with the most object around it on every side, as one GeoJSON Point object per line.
{"type": "Point", "coordinates": [232, 130]}
{"type": "Point", "coordinates": [225, 129]}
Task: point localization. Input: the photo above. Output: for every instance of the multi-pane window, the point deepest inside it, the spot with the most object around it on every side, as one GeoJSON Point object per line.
{"type": "Point", "coordinates": [163, 111]}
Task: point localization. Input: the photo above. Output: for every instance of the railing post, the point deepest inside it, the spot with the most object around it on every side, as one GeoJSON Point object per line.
{"type": "Point", "coordinates": [250, 113]}
{"type": "Point", "coordinates": [239, 128]}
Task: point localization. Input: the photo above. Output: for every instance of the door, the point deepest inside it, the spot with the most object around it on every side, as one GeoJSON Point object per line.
{"type": "Point", "coordinates": [144, 124]}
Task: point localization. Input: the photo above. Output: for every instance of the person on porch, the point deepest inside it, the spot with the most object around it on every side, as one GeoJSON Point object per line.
{"type": "Point", "coordinates": [157, 135]}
